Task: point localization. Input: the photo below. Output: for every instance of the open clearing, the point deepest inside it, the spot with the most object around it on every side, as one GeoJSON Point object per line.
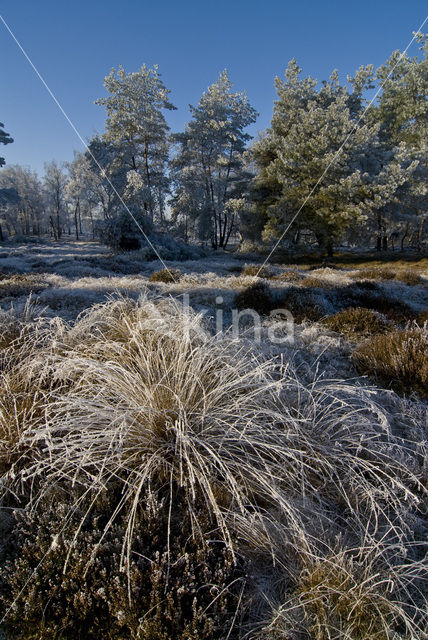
{"type": "Point", "coordinates": [139, 417]}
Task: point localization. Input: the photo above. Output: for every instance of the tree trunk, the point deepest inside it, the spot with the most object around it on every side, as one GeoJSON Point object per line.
{"type": "Point", "coordinates": [149, 186]}
{"type": "Point", "coordinates": [58, 234]}
{"type": "Point", "coordinates": [54, 231]}
{"type": "Point", "coordinates": [379, 232]}
{"type": "Point", "coordinates": [406, 231]}
{"type": "Point", "coordinates": [80, 220]}
{"type": "Point", "coordinates": [92, 223]}
{"type": "Point", "coordinates": [230, 231]}
{"type": "Point", "coordinates": [325, 243]}
{"type": "Point", "coordinates": [76, 222]}
{"type": "Point", "coordinates": [420, 234]}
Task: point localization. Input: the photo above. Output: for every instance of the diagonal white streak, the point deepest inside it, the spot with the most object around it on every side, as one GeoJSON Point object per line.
{"type": "Point", "coordinates": [296, 215]}
{"type": "Point", "coordinates": [103, 173]}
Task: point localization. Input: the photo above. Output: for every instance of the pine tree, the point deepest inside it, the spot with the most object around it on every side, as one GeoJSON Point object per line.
{"type": "Point", "coordinates": [402, 112]}
{"type": "Point", "coordinates": [319, 159]}
{"type": "Point", "coordinates": [208, 171]}
{"type": "Point", "coordinates": [137, 127]}
{"type": "Point", "coordinates": [4, 139]}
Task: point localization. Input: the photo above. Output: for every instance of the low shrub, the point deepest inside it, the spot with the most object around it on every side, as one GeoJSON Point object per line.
{"type": "Point", "coordinates": [166, 275]}
{"type": "Point", "coordinates": [398, 359]}
{"type": "Point", "coordinates": [364, 285]}
{"type": "Point", "coordinates": [395, 310]}
{"type": "Point", "coordinates": [291, 275]}
{"type": "Point", "coordinates": [324, 265]}
{"type": "Point", "coordinates": [257, 296]}
{"type": "Point", "coordinates": [21, 285]}
{"type": "Point", "coordinates": [409, 277]}
{"type": "Point", "coordinates": [381, 273]}
{"type": "Point", "coordinates": [66, 579]}
{"type": "Point", "coordinates": [375, 273]}
{"type": "Point", "coordinates": [357, 322]}
{"type": "Point", "coordinates": [261, 271]}
{"type": "Point", "coordinates": [249, 246]}
{"type": "Point", "coordinates": [304, 304]}
{"type": "Point", "coordinates": [370, 295]}
{"type": "Point", "coordinates": [315, 283]}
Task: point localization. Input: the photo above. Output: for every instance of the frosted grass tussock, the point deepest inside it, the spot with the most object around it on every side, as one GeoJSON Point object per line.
{"type": "Point", "coordinates": [362, 593]}
{"type": "Point", "coordinates": [157, 402]}
{"type": "Point", "coordinates": [22, 406]}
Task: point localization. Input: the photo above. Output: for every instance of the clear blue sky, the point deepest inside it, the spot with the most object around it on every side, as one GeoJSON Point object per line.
{"type": "Point", "coordinates": [74, 45]}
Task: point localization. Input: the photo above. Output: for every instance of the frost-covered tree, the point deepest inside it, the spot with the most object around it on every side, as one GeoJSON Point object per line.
{"type": "Point", "coordinates": [7, 196]}
{"type": "Point", "coordinates": [24, 211]}
{"type": "Point", "coordinates": [80, 191]}
{"type": "Point", "coordinates": [402, 112]}
{"type": "Point", "coordinates": [105, 177]}
{"type": "Point", "coordinates": [402, 107]}
{"type": "Point", "coordinates": [55, 180]}
{"type": "Point", "coordinates": [319, 159]}
{"type": "Point", "coordinates": [208, 170]}
{"type": "Point", "coordinates": [4, 139]}
{"type": "Point", "coordinates": [137, 127]}
{"type": "Point", "coordinates": [112, 209]}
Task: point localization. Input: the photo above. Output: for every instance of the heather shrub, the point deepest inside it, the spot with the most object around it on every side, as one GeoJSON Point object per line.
{"type": "Point", "coordinates": [375, 273]}
{"type": "Point", "coordinates": [315, 283]}
{"type": "Point", "coordinates": [235, 268]}
{"type": "Point", "coordinates": [257, 296]}
{"type": "Point", "coordinates": [357, 322]}
{"type": "Point", "coordinates": [166, 275]}
{"type": "Point", "coordinates": [396, 310]}
{"type": "Point", "coordinates": [260, 270]}
{"type": "Point", "coordinates": [409, 277]}
{"type": "Point", "coordinates": [398, 359]}
{"type": "Point", "coordinates": [21, 285]}
{"type": "Point", "coordinates": [304, 304]}
{"type": "Point", "coordinates": [291, 275]}
{"type": "Point", "coordinates": [363, 285]}
{"type": "Point", "coordinates": [363, 295]}
{"type": "Point", "coordinates": [325, 265]}
{"type": "Point", "coordinates": [64, 577]}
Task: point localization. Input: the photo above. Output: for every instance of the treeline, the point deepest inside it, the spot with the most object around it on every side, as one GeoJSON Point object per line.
{"type": "Point", "coordinates": [330, 169]}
